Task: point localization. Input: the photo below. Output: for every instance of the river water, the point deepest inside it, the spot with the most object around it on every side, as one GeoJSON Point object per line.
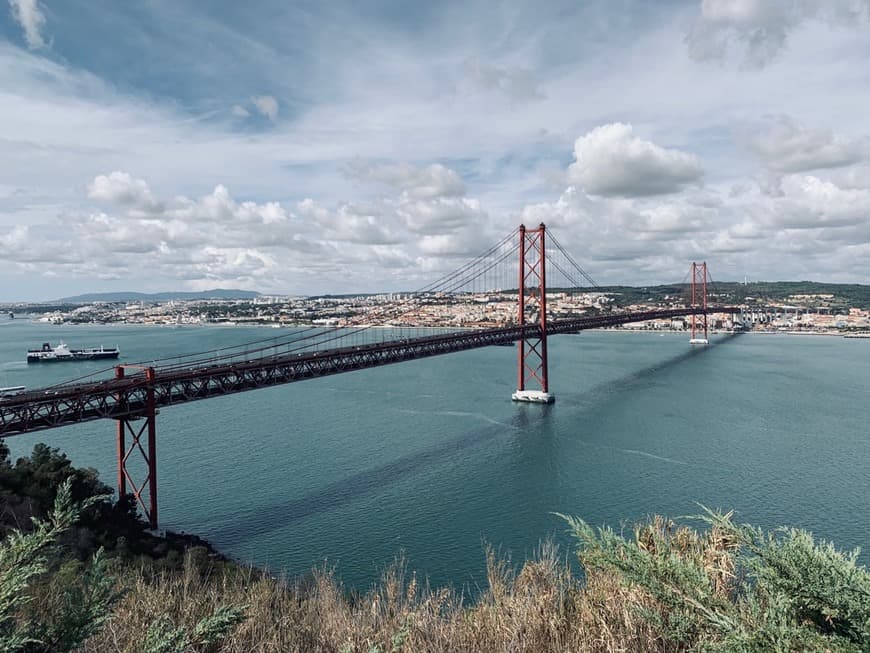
{"type": "Point", "coordinates": [431, 458]}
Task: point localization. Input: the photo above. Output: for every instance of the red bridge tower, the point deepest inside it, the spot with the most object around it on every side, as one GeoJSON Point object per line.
{"type": "Point", "coordinates": [533, 346]}
{"type": "Point", "coordinates": [699, 300]}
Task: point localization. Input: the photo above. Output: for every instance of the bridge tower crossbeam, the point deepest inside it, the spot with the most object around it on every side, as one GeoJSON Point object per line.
{"type": "Point", "coordinates": [532, 356]}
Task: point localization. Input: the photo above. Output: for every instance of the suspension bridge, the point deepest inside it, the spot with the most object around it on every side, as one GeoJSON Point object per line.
{"type": "Point", "coordinates": [133, 393]}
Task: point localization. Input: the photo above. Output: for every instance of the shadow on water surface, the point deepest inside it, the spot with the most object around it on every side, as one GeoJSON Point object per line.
{"type": "Point", "coordinates": [623, 383]}
{"type": "Point", "coordinates": [367, 482]}
{"type": "Point", "coordinates": [371, 481]}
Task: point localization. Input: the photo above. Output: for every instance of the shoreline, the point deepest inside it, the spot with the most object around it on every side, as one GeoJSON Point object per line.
{"type": "Point", "coordinates": [858, 335]}
{"type": "Point", "coordinates": [840, 334]}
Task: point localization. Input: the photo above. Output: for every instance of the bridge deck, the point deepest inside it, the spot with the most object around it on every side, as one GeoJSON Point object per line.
{"type": "Point", "coordinates": [116, 398]}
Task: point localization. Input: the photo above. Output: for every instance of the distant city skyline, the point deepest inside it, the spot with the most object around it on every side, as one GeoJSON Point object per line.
{"type": "Point", "coordinates": [306, 148]}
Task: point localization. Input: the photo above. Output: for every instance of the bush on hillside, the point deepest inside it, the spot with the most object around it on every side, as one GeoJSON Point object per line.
{"type": "Point", "coordinates": [667, 588]}
{"type": "Point", "coordinates": [28, 489]}
{"type": "Point", "coordinates": [734, 587]}
{"type": "Point", "coordinates": [55, 611]}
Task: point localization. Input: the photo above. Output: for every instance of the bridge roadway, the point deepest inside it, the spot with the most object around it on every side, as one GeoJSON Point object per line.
{"type": "Point", "coordinates": [126, 397]}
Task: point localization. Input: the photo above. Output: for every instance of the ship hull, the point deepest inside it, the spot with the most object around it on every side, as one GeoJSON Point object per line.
{"type": "Point", "coordinates": [95, 355]}
{"type": "Point", "coordinates": [62, 353]}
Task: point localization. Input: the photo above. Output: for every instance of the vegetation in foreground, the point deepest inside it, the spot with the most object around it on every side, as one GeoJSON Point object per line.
{"type": "Point", "coordinates": [725, 587]}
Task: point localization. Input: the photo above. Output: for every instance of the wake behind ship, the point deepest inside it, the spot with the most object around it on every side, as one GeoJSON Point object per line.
{"type": "Point", "coordinates": [62, 352]}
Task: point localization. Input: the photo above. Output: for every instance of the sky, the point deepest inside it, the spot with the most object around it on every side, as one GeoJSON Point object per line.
{"type": "Point", "coordinates": [296, 147]}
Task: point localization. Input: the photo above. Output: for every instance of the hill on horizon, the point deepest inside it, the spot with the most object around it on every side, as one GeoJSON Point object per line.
{"type": "Point", "coordinates": [842, 295]}
{"type": "Point", "coordinates": [217, 293]}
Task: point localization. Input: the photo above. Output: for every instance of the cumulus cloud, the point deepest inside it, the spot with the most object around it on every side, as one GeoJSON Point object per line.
{"type": "Point", "coordinates": [636, 211]}
{"type": "Point", "coordinates": [352, 223]}
{"type": "Point", "coordinates": [760, 28]}
{"type": "Point", "coordinates": [216, 239]}
{"type": "Point", "coordinates": [617, 238]}
{"type": "Point", "coordinates": [808, 202]}
{"type": "Point", "coordinates": [626, 220]}
{"type": "Point", "coordinates": [427, 182]}
{"type": "Point", "coordinates": [808, 221]}
{"type": "Point", "coordinates": [266, 105]}
{"type": "Point", "coordinates": [611, 161]}
{"type": "Point", "coordinates": [121, 188]}
{"type": "Point", "coordinates": [14, 239]}
{"type": "Point", "coordinates": [785, 146]}
{"type": "Point", "coordinates": [854, 177]}
{"type": "Point", "coordinates": [28, 14]}
{"type": "Point", "coordinates": [213, 238]}
{"type": "Point", "coordinates": [430, 210]}
{"type": "Point", "coordinates": [439, 216]}
{"type": "Point", "coordinates": [811, 222]}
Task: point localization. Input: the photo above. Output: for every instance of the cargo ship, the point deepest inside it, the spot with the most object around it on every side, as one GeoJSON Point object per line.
{"type": "Point", "coordinates": [62, 352]}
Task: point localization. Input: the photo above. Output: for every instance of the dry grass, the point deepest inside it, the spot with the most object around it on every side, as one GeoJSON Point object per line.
{"type": "Point", "coordinates": [540, 607]}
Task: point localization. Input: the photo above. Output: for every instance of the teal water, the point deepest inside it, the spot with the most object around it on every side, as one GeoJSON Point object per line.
{"type": "Point", "coordinates": [432, 458]}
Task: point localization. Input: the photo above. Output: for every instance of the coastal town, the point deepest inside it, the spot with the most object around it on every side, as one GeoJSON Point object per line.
{"type": "Point", "coordinates": [799, 314]}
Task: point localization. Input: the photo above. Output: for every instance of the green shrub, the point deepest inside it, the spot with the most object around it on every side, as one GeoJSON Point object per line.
{"type": "Point", "coordinates": [735, 587]}
{"type": "Point", "coordinates": [81, 608]}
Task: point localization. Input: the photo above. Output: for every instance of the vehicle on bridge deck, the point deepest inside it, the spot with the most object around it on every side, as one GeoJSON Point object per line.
{"type": "Point", "coordinates": [62, 352]}
{"type": "Point", "coordinates": [12, 390]}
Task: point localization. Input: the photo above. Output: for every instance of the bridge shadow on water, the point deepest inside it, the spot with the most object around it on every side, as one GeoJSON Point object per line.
{"type": "Point", "coordinates": [267, 518]}
{"type": "Point", "coordinates": [615, 386]}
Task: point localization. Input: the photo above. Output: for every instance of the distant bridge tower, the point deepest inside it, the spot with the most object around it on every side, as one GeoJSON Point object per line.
{"type": "Point", "coordinates": [699, 300]}
{"type": "Point", "coordinates": [532, 358]}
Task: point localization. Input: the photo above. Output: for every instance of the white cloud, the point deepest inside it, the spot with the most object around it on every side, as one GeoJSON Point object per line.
{"type": "Point", "coordinates": [211, 238]}
{"type": "Point", "coordinates": [436, 99]}
{"type": "Point", "coordinates": [17, 237]}
{"type": "Point", "coordinates": [761, 28]}
{"type": "Point", "coordinates": [218, 240]}
{"type": "Point", "coordinates": [809, 223]}
{"type": "Point", "coordinates": [430, 203]}
{"type": "Point", "coordinates": [785, 146]}
{"type": "Point", "coordinates": [812, 228]}
{"type": "Point", "coordinates": [120, 188]}
{"type": "Point", "coordinates": [439, 216]}
{"type": "Point", "coordinates": [854, 177]}
{"type": "Point", "coordinates": [267, 105]}
{"type": "Point", "coordinates": [427, 182]}
{"type": "Point", "coordinates": [352, 223]}
{"type": "Point", "coordinates": [808, 202]}
{"type": "Point", "coordinates": [611, 161]}
{"type": "Point", "coordinates": [29, 15]}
